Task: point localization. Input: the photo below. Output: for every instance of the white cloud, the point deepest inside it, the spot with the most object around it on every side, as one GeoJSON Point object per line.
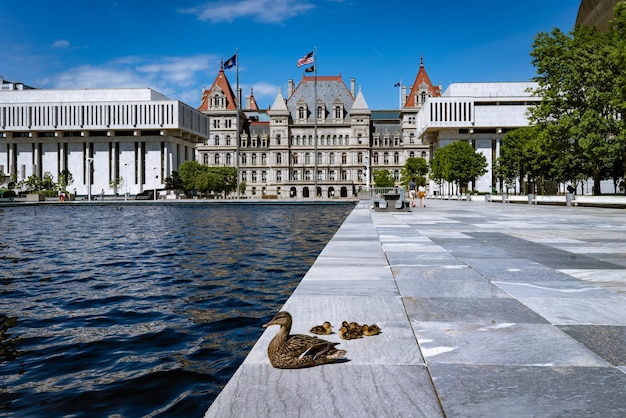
{"type": "Point", "coordinates": [268, 11]}
{"type": "Point", "coordinates": [263, 89]}
{"type": "Point", "coordinates": [174, 77]}
{"type": "Point", "coordinates": [61, 43]}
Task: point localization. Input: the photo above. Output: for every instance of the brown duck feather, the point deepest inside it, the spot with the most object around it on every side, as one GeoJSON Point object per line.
{"type": "Point", "coordinates": [298, 351]}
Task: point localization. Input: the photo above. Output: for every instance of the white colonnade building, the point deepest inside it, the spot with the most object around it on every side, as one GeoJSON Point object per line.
{"type": "Point", "coordinates": [134, 134]}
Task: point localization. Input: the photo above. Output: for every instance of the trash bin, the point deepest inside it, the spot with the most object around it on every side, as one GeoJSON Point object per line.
{"type": "Point", "coordinates": [568, 199]}
{"type": "Point", "coordinates": [531, 197]}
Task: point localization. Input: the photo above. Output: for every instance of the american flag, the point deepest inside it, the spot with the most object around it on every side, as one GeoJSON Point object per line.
{"type": "Point", "coordinates": [307, 59]}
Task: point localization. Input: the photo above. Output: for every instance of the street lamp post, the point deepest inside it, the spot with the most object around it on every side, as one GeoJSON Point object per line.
{"type": "Point", "coordinates": [89, 162]}
{"type": "Point", "coordinates": [156, 176]}
{"type": "Point", "coordinates": [125, 181]}
{"type": "Point", "coordinates": [367, 172]}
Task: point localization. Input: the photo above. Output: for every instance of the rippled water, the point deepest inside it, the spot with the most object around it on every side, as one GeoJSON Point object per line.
{"type": "Point", "coordinates": [142, 310]}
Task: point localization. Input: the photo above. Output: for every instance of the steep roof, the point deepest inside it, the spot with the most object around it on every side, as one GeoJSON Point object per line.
{"type": "Point", "coordinates": [360, 105]}
{"type": "Point", "coordinates": [252, 105]}
{"type": "Point", "coordinates": [329, 89]}
{"type": "Point", "coordinates": [222, 83]}
{"type": "Point", "coordinates": [421, 80]}
{"type": "Point", "coordinates": [279, 106]}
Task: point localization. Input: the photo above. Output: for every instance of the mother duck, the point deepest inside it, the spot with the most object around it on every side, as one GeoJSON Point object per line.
{"type": "Point", "coordinates": [298, 351]}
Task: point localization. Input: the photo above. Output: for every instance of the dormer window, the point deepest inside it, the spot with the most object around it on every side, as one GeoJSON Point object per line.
{"type": "Point", "coordinates": [301, 113]}
{"type": "Point", "coordinates": [320, 112]}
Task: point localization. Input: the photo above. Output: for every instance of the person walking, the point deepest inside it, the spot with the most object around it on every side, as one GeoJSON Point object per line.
{"type": "Point", "coordinates": [412, 187]}
{"type": "Point", "coordinates": [422, 196]}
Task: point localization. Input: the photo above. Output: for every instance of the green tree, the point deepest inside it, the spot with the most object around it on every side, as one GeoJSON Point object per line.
{"type": "Point", "coordinates": [115, 185]}
{"type": "Point", "coordinates": [617, 35]}
{"type": "Point", "coordinates": [174, 182]}
{"type": "Point", "coordinates": [416, 168]}
{"type": "Point", "coordinates": [577, 75]}
{"type": "Point", "coordinates": [189, 171]}
{"type": "Point", "coordinates": [458, 162]}
{"type": "Point", "coordinates": [383, 178]}
{"type": "Point", "coordinates": [47, 182]}
{"type": "Point", "coordinates": [33, 182]}
{"type": "Point", "coordinates": [65, 179]}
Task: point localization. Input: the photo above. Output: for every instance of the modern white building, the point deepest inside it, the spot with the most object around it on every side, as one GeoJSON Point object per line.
{"type": "Point", "coordinates": [480, 113]}
{"type": "Point", "coordinates": [130, 138]}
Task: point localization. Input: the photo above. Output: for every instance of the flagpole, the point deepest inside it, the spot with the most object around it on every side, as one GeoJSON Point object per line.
{"type": "Point", "coordinates": [400, 95]}
{"type": "Point", "coordinates": [315, 114]}
{"type": "Point", "coordinates": [237, 98]}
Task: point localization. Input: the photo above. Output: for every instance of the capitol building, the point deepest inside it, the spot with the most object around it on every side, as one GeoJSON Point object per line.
{"type": "Point", "coordinates": [319, 139]}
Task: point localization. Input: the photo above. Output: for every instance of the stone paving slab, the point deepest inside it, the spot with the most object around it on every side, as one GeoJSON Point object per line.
{"type": "Point", "coordinates": [487, 310]}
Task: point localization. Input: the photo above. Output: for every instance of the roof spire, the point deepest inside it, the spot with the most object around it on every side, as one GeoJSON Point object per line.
{"type": "Point", "coordinates": [421, 61]}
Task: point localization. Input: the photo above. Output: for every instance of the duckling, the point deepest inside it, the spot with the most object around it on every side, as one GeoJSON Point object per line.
{"type": "Point", "coordinates": [369, 330]}
{"type": "Point", "coordinates": [349, 334]}
{"type": "Point", "coordinates": [355, 326]}
{"type": "Point", "coordinates": [324, 329]}
{"type": "Point", "coordinates": [351, 325]}
{"type": "Point", "coordinates": [297, 351]}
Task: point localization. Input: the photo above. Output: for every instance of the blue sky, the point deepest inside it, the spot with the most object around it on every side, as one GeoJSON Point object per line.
{"type": "Point", "coordinates": [175, 47]}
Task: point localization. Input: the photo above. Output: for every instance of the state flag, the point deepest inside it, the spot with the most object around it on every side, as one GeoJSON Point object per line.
{"type": "Point", "coordinates": [231, 62]}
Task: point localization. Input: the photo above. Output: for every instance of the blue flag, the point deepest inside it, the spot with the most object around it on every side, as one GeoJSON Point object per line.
{"type": "Point", "coordinates": [231, 62]}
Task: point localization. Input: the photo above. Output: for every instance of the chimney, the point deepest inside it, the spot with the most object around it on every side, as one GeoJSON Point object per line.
{"type": "Point", "coordinates": [290, 89]}
{"type": "Point", "coordinates": [248, 102]}
{"type": "Point", "coordinates": [352, 84]}
{"type": "Point", "coordinates": [403, 95]}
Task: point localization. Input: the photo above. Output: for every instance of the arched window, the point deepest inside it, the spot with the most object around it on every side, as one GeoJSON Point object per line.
{"type": "Point", "coordinates": [253, 158]}
{"type": "Point", "coordinates": [423, 154]}
{"type": "Point", "coordinates": [294, 157]}
{"type": "Point", "coordinates": [359, 157]}
{"type": "Point", "coordinates": [338, 113]}
{"type": "Point", "coordinates": [217, 139]}
{"type": "Point", "coordinates": [423, 97]}
{"type": "Point", "coordinates": [301, 114]}
{"type": "Point", "coordinates": [307, 158]}
{"type": "Point", "coordinates": [264, 159]}
{"type": "Point", "coordinates": [216, 158]}
{"type": "Point", "coordinates": [228, 159]}
{"type": "Point", "coordinates": [331, 158]}
{"type": "Point", "coordinates": [320, 112]}
{"type": "Point", "coordinates": [344, 158]}
{"type": "Point", "coordinates": [244, 158]}
{"type": "Point", "coordinates": [205, 159]}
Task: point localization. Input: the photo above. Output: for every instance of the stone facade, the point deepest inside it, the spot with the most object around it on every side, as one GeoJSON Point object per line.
{"type": "Point", "coordinates": [278, 155]}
